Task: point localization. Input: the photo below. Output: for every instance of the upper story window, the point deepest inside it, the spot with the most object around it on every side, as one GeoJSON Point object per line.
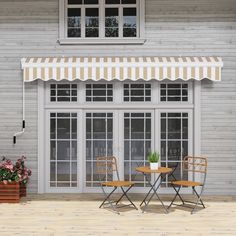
{"type": "Point", "coordinates": [101, 21]}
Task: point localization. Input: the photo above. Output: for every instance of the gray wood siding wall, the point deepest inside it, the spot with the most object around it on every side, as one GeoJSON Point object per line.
{"type": "Point", "coordinates": [173, 27]}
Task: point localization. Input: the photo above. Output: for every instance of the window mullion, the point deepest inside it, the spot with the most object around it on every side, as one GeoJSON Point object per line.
{"type": "Point", "coordinates": [120, 22]}
{"type": "Point", "coordinates": [82, 21]}
{"type": "Point", "coordinates": [102, 19]}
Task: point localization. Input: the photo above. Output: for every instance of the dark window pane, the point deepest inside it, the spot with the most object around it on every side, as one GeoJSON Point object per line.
{"type": "Point", "coordinates": [129, 11]}
{"type": "Point", "coordinates": [91, 32]}
{"type": "Point", "coordinates": [53, 92]}
{"type": "Point", "coordinates": [111, 11]}
{"type": "Point", "coordinates": [129, 32]}
{"type": "Point", "coordinates": [91, 12]}
{"type": "Point", "coordinates": [174, 86]}
{"type": "Point", "coordinates": [90, 1]}
{"type": "Point", "coordinates": [128, 1]}
{"type": "Point", "coordinates": [63, 86]}
{"type": "Point", "coordinates": [74, 12]}
{"type": "Point", "coordinates": [137, 86]}
{"type": "Point", "coordinates": [74, 22]}
{"type": "Point", "coordinates": [74, 33]}
{"type": "Point", "coordinates": [129, 22]}
{"type": "Point", "coordinates": [112, 32]}
{"type": "Point", "coordinates": [112, 1]}
{"type": "Point", "coordinates": [74, 2]}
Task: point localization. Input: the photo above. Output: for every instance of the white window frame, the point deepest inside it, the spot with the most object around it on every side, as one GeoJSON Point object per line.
{"type": "Point", "coordinates": [122, 141]}
{"type": "Point", "coordinates": [63, 39]}
{"type": "Point", "coordinates": [46, 158]}
{"type": "Point", "coordinates": [190, 135]}
{"type": "Point", "coordinates": [114, 140]}
{"type": "Point", "coordinates": [70, 161]}
{"type": "Point", "coordinates": [118, 107]}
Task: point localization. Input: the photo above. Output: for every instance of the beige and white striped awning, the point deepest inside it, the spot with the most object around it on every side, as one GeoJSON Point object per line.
{"type": "Point", "coordinates": [122, 68]}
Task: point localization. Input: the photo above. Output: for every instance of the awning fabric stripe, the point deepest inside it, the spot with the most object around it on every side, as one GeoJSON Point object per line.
{"type": "Point", "coordinates": [121, 68]}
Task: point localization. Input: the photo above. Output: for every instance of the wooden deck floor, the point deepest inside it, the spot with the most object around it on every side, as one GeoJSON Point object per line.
{"type": "Point", "coordinates": [78, 214]}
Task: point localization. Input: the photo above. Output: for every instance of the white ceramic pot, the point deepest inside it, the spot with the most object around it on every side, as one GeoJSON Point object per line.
{"type": "Point", "coordinates": [154, 166]}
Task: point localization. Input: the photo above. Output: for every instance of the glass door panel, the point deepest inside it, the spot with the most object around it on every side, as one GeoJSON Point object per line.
{"type": "Point", "coordinates": [99, 142]}
{"type": "Point", "coordinates": [137, 144]}
{"type": "Point", "coordinates": [63, 150]}
{"type": "Point", "coordinates": [174, 142]}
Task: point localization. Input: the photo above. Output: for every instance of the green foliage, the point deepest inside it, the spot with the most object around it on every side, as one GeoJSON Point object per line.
{"type": "Point", "coordinates": [153, 157]}
{"type": "Point", "coordinates": [10, 172]}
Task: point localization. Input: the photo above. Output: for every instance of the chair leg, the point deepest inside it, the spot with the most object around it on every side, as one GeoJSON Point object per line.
{"type": "Point", "coordinates": [177, 194]}
{"type": "Point", "coordinates": [198, 199]}
{"type": "Point", "coordinates": [125, 194]}
{"type": "Point", "coordinates": [108, 199]}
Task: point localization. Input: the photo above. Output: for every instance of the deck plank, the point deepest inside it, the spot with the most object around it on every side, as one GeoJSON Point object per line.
{"type": "Point", "coordinates": [78, 214]}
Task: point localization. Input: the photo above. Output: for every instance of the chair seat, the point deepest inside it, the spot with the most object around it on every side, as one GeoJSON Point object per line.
{"type": "Point", "coordinates": [186, 183]}
{"type": "Point", "coordinates": [118, 183]}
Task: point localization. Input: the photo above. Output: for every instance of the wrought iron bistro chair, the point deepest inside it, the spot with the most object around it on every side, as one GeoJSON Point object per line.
{"type": "Point", "coordinates": [107, 169]}
{"type": "Point", "coordinates": [194, 165]}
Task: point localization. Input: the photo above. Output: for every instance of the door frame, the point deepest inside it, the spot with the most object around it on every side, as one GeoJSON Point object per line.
{"type": "Point", "coordinates": [42, 108]}
{"type": "Point", "coordinates": [86, 189]}
{"type": "Point", "coordinates": [78, 189]}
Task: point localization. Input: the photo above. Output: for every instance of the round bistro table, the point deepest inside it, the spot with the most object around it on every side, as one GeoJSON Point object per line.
{"type": "Point", "coordinates": [146, 171]}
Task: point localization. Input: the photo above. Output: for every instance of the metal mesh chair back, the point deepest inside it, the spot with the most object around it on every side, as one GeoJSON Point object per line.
{"type": "Point", "coordinates": [195, 164]}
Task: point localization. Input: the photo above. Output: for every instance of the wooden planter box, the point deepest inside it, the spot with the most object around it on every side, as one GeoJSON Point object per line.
{"type": "Point", "coordinates": [10, 192]}
{"type": "Point", "coordinates": [23, 190]}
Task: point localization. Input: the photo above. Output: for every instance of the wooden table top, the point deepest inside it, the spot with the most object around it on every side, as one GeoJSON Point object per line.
{"type": "Point", "coordinates": [160, 170]}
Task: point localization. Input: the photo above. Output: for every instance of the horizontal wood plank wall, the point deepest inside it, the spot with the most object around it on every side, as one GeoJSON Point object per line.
{"type": "Point", "coordinates": [173, 27]}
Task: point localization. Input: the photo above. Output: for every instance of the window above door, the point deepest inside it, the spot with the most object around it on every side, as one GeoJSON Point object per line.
{"type": "Point", "coordinates": [102, 21]}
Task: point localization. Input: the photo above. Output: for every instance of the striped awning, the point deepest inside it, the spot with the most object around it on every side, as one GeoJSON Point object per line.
{"type": "Point", "coordinates": [122, 68]}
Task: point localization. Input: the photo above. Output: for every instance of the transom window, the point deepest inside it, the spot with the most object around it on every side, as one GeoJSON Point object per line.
{"type": "Point", "coordinates": [101, 19]}
{"type": "Point", "coordinates": [63, 92]}
{"type": "Point", "coordinates": [137, 92]}
{"type": "Point", "coordinates": [173, 92]}
{"type": "Point", "coordinates": [127, 92]}
{"type": "Point", "coordinates": [99, 92]}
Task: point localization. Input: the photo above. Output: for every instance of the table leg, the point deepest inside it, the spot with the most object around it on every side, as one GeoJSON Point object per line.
{"type": "Point", "coordinates": [154, 193]}
{"type": "Point", "coordinates": [144, 200]}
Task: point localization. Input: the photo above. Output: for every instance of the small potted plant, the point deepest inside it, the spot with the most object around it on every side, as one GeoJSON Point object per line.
{"type": "Point", "coordinates": [153, 158]}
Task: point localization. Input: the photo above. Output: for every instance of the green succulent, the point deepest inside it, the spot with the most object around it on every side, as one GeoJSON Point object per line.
{"type": "Point", "coordinates": [153, 157]}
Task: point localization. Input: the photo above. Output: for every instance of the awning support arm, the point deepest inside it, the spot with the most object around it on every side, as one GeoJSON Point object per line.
{"type": "Point", "coordinates": [23, 116]}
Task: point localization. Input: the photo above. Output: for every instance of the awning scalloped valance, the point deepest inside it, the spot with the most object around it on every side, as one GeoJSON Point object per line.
{"type": "Point", "coordinates": [121, 68]}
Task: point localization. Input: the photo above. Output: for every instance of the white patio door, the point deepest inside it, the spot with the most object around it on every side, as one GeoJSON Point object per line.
{"type": "Point", "coordinates": [63, 151]}
{"type": "Point", "coordinates": [100, 136]}
{"type": "Point", "coordinates": [75, 138]}
{"type": "Point", "coordinates": [139, 140]}
{"type": "Point", "coordinates": [128, 135]}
